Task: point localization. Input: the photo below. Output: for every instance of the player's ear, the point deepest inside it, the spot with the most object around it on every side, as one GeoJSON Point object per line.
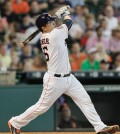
{"type": "Point", "coordinates": [43, 28]}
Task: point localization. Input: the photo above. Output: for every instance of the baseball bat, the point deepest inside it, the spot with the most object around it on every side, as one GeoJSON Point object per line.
{"type": "Point", "coordinates": [34, 34]}
{"type": "Point", "coordinates": [24, 43]}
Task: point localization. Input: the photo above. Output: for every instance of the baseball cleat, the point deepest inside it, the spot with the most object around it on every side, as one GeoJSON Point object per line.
{"type": "Point", "coordinates": [109, 130]}
{"type": "Point", "coordinates": [13, 129]}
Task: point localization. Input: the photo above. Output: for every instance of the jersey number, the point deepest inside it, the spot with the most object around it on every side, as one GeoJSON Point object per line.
{"type": "Point", "coordinates": [45, 52]}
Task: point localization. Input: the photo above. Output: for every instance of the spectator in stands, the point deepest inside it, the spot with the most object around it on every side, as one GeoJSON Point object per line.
{"type": "Point", "coordinates": [8, 12]}
{"type": "Point", "coordinates": [3, 28]}
{"type": "Point", "coordinates": [91, 63]}
{"type": "Point", "coordinates": [34, 8]}
{"type": "Point", "coordinates": [20, 6]}
{"type": "Point", "coordinates": [75, 32]}
{"type": "Point", "coordinates": [85, 10]}
{"type": "Point", "coordinates": [88, 34]}
{"type": "Point", "coordinates": [115, 41]}
{"type": "Point", "coordinates": [95, 6]}
{"type": "Point", "coordinates": [5, 59]}
{"type": "Point", "coordinates": [112, 22]}
{"type": "Point", "coordinates": [117, 62]}
{"type": "Point", "coordinates": [13, 36]}
{"type": "Point", "coordinates": [109, 2]}
{"type": "Point", "coordinates": [103, 25]}
{"type": "Point", "coordinates": [77, 2]}
{"type": "Point", "coordinates": [98, 39]}
{"type": "Point", "coordinates": [104, 65]}
{"type": "Point", "coordinates": [52, 4]}
{"type": "Point", "coordinates": [37, 64]}
{"type": "Point", "coordinates": [14, 28]}
{"type": "Point", "coordinates": [67, 121]}
{"type": "Point", "coordinates": [90, 22]}
{"type": "Point", "coordinates": [101, 54]}
{"type": "Point", "coordinates": [78, 16]}
{"type": "Point", "coordinates": [43, 6]}
{"type": "Point", "coordinates": [116, 3]}
{"type": "Point", "coordinates": [13, 40]}
{"type": "Point", "coordinates": [15, 63]}
{"type": "Point", "coordinates": [1, 5]}
{"type": "Point", "coordinates": [26, 23]}
{"type": "Point", "coordinates": [26, 54]}
{"type": "Point", "coordinates": [76, 57]}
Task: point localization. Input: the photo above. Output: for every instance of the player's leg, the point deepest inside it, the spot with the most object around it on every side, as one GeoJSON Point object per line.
{"type": "Point", "coordinates": [52, 90]}
{"type": "Point", "coordinates": [83, 101]}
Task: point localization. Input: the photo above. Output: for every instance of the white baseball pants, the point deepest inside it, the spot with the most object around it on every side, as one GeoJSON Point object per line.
{"type": "Point", "coordinates": [53, 88]}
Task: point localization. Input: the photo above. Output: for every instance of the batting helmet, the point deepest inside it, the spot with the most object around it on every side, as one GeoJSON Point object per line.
{"type": "Point", "coordinates": [44, 19]}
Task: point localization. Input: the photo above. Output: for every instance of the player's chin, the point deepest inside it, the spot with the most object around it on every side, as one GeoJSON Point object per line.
{"type": "Point", "coordinates": [54, 24]}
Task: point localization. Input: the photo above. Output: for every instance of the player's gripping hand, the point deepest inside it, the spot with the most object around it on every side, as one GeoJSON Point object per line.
{"type": "Point", "coordinates": [63, 11]}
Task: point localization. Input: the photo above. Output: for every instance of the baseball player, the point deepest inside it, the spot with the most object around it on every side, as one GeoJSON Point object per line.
{"type": "Point", "coordinates": [58, 79]}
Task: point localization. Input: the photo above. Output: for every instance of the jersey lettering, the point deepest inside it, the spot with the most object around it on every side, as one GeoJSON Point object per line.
{"type": "Point", "coordinates": [45, 49]}
{"type": "Point", "coordinates": [44, 41]}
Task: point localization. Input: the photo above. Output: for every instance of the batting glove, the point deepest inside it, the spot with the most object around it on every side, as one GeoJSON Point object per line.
{"type": "Point", "coordinates": [64, 11]}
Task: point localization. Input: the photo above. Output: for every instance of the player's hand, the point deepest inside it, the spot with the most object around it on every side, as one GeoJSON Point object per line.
{"type": "Point", "coordinates": [63, 11]}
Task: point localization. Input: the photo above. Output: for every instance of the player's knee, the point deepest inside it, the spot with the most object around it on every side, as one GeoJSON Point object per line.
{"type": "Point", "coordinates": [86, 98]}
{"type": "Point", "coordinates": [42, 109]}
{"type": "Point", "coordinates": [46, 109]}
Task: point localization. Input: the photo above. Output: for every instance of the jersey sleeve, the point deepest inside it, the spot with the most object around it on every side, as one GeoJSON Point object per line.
{"type": "Point", "coordinates": [61, 32]}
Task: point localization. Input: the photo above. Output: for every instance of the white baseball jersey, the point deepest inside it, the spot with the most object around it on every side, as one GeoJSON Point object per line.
{"type": "Point", "coordinates": [55, 49]}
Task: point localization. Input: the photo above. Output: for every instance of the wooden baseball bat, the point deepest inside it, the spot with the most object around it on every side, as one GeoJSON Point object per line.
{"type": "Point", "coordinates": [34, 34]}
{"type": "Point", "coordinates": [24, 43]}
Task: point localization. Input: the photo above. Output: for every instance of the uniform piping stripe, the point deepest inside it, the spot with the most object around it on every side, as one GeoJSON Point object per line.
{"type": "Point", "coordinates": [42, 100]}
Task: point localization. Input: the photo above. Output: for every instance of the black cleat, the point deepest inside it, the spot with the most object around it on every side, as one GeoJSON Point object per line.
{"type": "Point", "coordinates": [13, 129]}
{"type": "Point", "coordinates": [109, 130]}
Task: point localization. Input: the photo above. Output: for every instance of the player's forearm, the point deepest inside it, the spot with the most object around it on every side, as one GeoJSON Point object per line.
{"type": "Point", "coordinates": [68, 21]}
{"type": "Point", "coordinates": [64, 13]}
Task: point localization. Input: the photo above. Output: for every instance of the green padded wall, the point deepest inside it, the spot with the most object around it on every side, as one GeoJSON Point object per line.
{"type": "Point", "coordinates": [16, 99]}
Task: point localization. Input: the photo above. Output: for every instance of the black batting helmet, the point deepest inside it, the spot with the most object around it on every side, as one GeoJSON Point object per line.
{"type": "Point", "coordinates": [44, 19]}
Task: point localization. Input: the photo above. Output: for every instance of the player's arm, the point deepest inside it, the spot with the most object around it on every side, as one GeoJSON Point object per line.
{"type": "Point", "coordinates": [67, 21]}
{"type": "Point", "coordinates": [65, 14]}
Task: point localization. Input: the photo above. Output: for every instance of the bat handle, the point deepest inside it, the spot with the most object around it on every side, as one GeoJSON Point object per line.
{"type": "Point", "coordinates": [22, 44]}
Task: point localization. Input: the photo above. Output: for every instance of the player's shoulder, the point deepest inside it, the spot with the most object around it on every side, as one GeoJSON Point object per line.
{"type": "Point", "coordinates": [60, 27]}
{"type": "Point", "coordinates": [58, 32]}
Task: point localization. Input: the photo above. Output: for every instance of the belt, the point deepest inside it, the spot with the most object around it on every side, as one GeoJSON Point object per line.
{"type": "Point", "coordinates": [62, 75]}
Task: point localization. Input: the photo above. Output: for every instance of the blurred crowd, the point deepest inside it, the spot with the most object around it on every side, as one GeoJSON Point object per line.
{"type": "Point", "coordinates": [66, 119]}
{"type": "Point", "coordinates": [93, 43]}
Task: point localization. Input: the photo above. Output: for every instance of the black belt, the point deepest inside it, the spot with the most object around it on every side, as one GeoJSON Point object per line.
{"type": "Point", "coordinates": [60, 75]}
